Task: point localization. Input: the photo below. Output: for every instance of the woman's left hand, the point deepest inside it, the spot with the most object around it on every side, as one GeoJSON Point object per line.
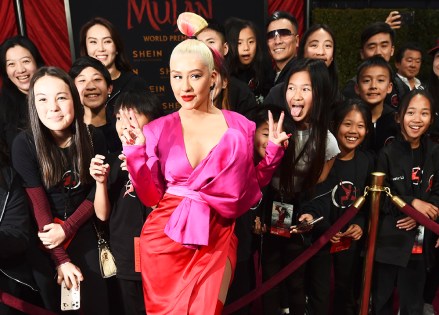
{"type": "Point", "coordinates": [132, 133]}
{"type": "Point", "coordinates": [275, 132]}
{"type": "Point", "coordinates": [52, 236]}
{"type": "Point", "coordinates": [354, 231]}
{"type": "Point", "coordinates": [406, 224]}
{"type": "Point", "coordinates": [98, 169]}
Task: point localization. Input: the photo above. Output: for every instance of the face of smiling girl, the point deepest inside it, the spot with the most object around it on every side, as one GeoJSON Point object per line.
{"type": "Point", "coordinates": [416, 120]}
{"type": "Point", "coordinates": [20, 67]}
{"type": "Point", "coordinates": [320, 45]}
{"type": "Point", "coordinates": [351, 133]}
{"type": "Point", "coordinates": [54, 105]}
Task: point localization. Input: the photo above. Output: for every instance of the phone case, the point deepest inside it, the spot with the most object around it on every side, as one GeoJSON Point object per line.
{"type": "Point", "coordinates": [70, 298]}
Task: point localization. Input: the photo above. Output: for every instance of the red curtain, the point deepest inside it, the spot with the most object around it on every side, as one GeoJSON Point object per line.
{"type": "Point", "coordinates": [7, 20]}
{"type": "Point", "coordinates": [296, 8]}
{"type": "Point", "coordinates": [46, 26]}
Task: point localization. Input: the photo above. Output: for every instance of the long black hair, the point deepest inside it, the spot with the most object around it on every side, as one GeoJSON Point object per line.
{"type": "Point", "coordinates": [315, 147]}
{"type": "Point", "coordinates": [121, 61]}
{"type": "Point", "coordinates": [11, 96]}
{"type": "Point", "coordinates": [257, 69]}
{"type": "Point", "coordinates": [50, 158]}
{"type": "Point", "coordinates": [332, 68]}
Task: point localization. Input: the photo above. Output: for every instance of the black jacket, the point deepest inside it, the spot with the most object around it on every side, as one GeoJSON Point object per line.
{"type": "Point", "coordinates": [282, 77]}
{"type": "Point", "coordinates": [276, 95]}
{"type": "Point", "coordinates": [393, 245]}
{"type": "Point", "coordinates": [14, 230]}
{"type": "Point", "coordinates": [383, 132]}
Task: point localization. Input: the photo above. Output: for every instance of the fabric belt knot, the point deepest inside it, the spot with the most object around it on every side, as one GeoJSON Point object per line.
{"type": "Point", "coordinates": [189, 223]}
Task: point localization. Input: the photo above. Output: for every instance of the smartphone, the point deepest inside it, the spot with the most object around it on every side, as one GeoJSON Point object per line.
{"type": "Point", "coordinates": [407, 18]}
{"type": "Point", "coordinates": [306, 225]}
{"type": "Point", "coordinates": [70, 298]}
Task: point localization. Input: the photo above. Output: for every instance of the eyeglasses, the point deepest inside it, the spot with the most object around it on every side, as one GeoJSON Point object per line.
{"type": "Point", "coordinates": [282, 33]}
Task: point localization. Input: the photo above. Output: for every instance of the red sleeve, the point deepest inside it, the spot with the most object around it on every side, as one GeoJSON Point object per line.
{"type": "Point", "coordinates": [81, 215]}
{"type": "Point", "coordinates": [43, 216]}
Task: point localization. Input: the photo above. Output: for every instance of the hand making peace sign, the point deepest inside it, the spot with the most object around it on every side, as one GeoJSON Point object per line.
{"type": "Point", "coordinates": [275, 132]}
{"type": "Point", "coordinates": [132, 134]}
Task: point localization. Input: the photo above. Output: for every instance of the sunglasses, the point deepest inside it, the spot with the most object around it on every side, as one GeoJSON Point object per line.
{"type": "Point", "coordinates": [282, 33]}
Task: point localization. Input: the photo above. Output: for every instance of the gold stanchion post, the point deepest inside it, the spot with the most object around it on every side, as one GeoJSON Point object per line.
{"type": "Point", "coordinates": [375, 192]}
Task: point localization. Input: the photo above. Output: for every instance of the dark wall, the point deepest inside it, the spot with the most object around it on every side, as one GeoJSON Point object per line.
{"type": "Point", "coordinates": [348, 24]}
{"type": "Point", "coordinates": [364, 4]}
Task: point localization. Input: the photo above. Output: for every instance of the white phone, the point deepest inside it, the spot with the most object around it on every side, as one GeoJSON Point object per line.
{"type": "Point", "coordinates": [70, 298]}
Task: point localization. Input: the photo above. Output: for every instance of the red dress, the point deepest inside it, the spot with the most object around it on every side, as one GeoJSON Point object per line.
{"type": "Point", "coordinates": [187, 239]}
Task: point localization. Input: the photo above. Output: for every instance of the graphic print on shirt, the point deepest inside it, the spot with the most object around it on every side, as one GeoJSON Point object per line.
{"type": "Point", "coordinates": [416, 175]}
{"type": "Point", "coordinates": [430, 183]}
{"type": "Point", "coordinates": [71, 180]}
{"type": "Point", "coordinates": [129, 189]}
{"type": "Point", "coordinates": [344, 194]}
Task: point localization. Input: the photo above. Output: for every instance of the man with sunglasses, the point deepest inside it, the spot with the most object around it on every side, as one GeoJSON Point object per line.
{"type": "Point", "coordinates": [282, 41]}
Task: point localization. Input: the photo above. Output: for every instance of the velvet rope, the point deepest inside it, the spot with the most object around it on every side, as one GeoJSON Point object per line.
{"type": "Point", "coordinates": [295, 264]}
{"type": "Point", "coordinates": [22, 306]}
{"type": "Point", "coordinates": [419, 217]}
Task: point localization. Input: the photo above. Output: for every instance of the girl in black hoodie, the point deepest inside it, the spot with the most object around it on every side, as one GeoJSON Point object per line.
{"type": "Point", "coordinates": [403, 248]}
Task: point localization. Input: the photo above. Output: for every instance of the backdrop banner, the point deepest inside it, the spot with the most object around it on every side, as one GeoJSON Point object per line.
{"type": "Point", "coordinates": [149, 30]}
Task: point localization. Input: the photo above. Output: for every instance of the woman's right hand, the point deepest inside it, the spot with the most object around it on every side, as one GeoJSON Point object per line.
{"type": "Point", "coordinates": [71, 275]}
{"type": "Point", "coordinates": [98, 169]}
{"type": "Point", "coordinates": [275, 130]}
{"type": "Point", "coordinates": [394, 20]}
{"type": "Point", "coordinates": [132, 134]}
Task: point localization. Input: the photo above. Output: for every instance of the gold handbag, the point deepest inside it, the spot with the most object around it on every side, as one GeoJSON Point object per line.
{"type": "Point", "coordinates": [107, 263]}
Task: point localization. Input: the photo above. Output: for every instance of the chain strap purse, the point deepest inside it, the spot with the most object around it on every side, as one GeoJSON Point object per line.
{"type": "Point", "coordinates": [107, 263]}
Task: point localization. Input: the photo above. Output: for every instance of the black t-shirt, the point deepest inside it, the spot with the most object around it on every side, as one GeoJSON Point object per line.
{"type": "Point", "coordinates": [128, 215]}
{"type": "Point", "coordinates": [65, 197]}
{"type": "Point", "coordinates": [112, 140]}
{"type": "Point", "coordinates": [348, 180]}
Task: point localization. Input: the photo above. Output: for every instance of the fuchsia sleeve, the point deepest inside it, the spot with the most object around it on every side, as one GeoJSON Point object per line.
{"type": "Point", "coordinates": [141, 176]}
{"type": "Point", "coordinates": [265, 169]}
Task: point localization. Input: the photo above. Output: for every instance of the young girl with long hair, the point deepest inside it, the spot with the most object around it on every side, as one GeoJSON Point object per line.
{"type": "Point", "coordinates": [246, 56]}
{"type": "Point", "coordinates": [307, 161]}
{"type": "Point", "coordinates": [318, 42]}
{"type": "Point", "coordinates": [345, 182]}
{"type": "Point", "coordinates": [53, 160]}
{"type": "Point", "coordinates": [195, 177]}
{"type": "Point", "coordinates": [403, 249]}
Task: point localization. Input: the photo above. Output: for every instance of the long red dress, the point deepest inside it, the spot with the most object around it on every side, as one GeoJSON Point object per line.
{"type": "Point", "coordinates": [188, 238]}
